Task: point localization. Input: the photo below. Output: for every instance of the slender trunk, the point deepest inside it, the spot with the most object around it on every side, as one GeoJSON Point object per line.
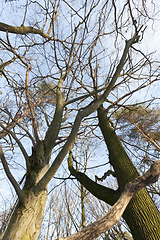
{"type": "Point", "coordinates": [141, 215]}
{"type": "Point", "coordinates": [83, 206]}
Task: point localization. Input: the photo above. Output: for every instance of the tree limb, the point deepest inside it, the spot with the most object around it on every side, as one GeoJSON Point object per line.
{"type": "Point", "coordinates": [84, 112]}
{"type": "Point", "coordinates": [146, 135]}
{"type": "Point", "coordinates": [17, 141]}
{"type": "Point", "coordinates": [85, 96]}
{"type": "Point", "coordinates": [53, 130]}
{"type": "Point", "coordinates": [34, 125]}
{"type": "Point", "coordinates": [101, 192]}
{"type": "Point", "coordinates": [4, 64]}
{"type": "Point", "coordinates": [19, 192]}
{"type": "Point", "coordinates": [105, 175]}
{"type": "Point", "coordinates": [22, 30]}
{"type": "Point", "coordinates": [102, 225]}
{"type": "Point", "coordinates": [18, 119]}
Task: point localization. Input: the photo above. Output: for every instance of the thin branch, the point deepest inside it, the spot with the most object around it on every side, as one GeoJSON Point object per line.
{"type": "Point", "coordinates": [17, 123]}
{"type": "Point", "coordinates": [73, 9]}
{"type": "Point", "coordinates": [19, 118]}
{"type": "Point", "coordinates": [19, 192]}
{"type": "Point", "coordinates": [54, 17]}
{"type": "Point", "coordinates": [25, 13]}
{"type": "Point", "coordinates": [146, 135]}
{"type": "Point", "coordinates": [27, 91]}
{"type": "Point", "coordinates": [17, 141]}
{"type": "Point", "coordinates": [105, 175]}
{"type": "Point", "coordinates": [133, 19]}
{"type": "Point", "coordinates": [3, 65]}
{"type": "Point", "coordinates": [112, 104]}
{"type": "Point", "coordinates": [34, 125]}
{"type": "Point", "coordinates": [85, 96]}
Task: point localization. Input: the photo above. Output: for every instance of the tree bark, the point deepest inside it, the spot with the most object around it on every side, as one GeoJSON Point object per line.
{"type": "Point", "coordinates": [102, 225]}
{"type": "Point", "coordinates": [27, 216]}
{"type": "Point", "coordinates": [26, 219]}
{"type": "Point", "coordinates": [141, 215]}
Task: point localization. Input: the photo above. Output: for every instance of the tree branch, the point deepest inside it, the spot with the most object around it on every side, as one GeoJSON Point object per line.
{"type": "Point", "coordinates": [4, 64]}
{"type": "Point", "coordinates": [34, 125]}
{"type": "Point", "coordinates": [19, 192]}
{"type": "Point", "coordinates": [17, 141]}
{"type": "Point", "coordinates": [99, 191]}
{"type": "Point", "coordinates": [54, 128]}
{"type": "Point", "coordinates": [17, 123]}
{"type": "Point", "coordinates": [146, 135]}
{"type": "Point", "coordinates": [105, 175]}
{"type": "Point", "coordinates": [18, 119]}
{"type": "Point", "coordinates": [84, 112]}
{"type": "Point", "coordinates": [22, 30]}
{"type": "Point", "coordinates": [85, 96]}
{"type": "Point", "coordinates": [102, 225]}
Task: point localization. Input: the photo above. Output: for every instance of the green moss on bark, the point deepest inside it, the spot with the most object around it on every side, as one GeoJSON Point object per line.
{"type": "Point", "coordinates": [141, 215]}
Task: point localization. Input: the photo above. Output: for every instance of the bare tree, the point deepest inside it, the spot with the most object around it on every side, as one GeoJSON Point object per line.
{"type": "Point", "coordinates": [60, 62]}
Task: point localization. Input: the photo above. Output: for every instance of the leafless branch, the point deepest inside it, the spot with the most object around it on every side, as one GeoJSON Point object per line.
{"type": "Point", "coordinates": [19, 192]}
{"type": "Point", "coordinates": [102, 225]}
{"type": "Point", "coordinates": [17, 141]}
{"type": "Point", "coordinates": [84, 112]}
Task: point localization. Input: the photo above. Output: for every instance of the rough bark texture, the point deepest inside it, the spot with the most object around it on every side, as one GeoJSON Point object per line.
{"type": "Point", "coordinates": [102, 225]}
{"type": "Point", "coordinates": [27, 216]}
{"type": "Point", "coordinates": [26, 220]}
{"type": "Point", "coordinates": [141, 215]}
{"type": "Point", "coordinates": [101, 192]}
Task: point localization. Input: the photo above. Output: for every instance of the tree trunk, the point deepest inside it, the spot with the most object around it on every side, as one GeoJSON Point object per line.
{"type": "Point", "coordinates": [27, 216]}
{"type": "Point", "coordinates": [26, 220]}
{"type": "Point", "coordinates": [104, 224]}
{"type": "Point", "coordinates": [141, 215]}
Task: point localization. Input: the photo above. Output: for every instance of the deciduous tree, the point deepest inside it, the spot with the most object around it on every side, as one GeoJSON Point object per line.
{"type": "Point", "coordinates": [60, 62]}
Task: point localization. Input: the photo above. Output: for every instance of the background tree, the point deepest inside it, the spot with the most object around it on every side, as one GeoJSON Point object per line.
{"type": "Point", "coordinates": [60, 62]}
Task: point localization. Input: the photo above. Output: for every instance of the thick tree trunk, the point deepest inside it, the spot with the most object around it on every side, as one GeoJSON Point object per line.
{"type": "Point", "coordinates": [26, 220]}
{"type": "Point", "coordinates": [27, 216]}
{"type": "Point", "coordinates": [102, 225]}
{"type": "Point", "coordinates": [141, 215]}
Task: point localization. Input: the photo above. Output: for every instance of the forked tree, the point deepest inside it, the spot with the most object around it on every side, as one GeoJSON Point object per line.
{"type": "Point", "coordinates": [62, 62]}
